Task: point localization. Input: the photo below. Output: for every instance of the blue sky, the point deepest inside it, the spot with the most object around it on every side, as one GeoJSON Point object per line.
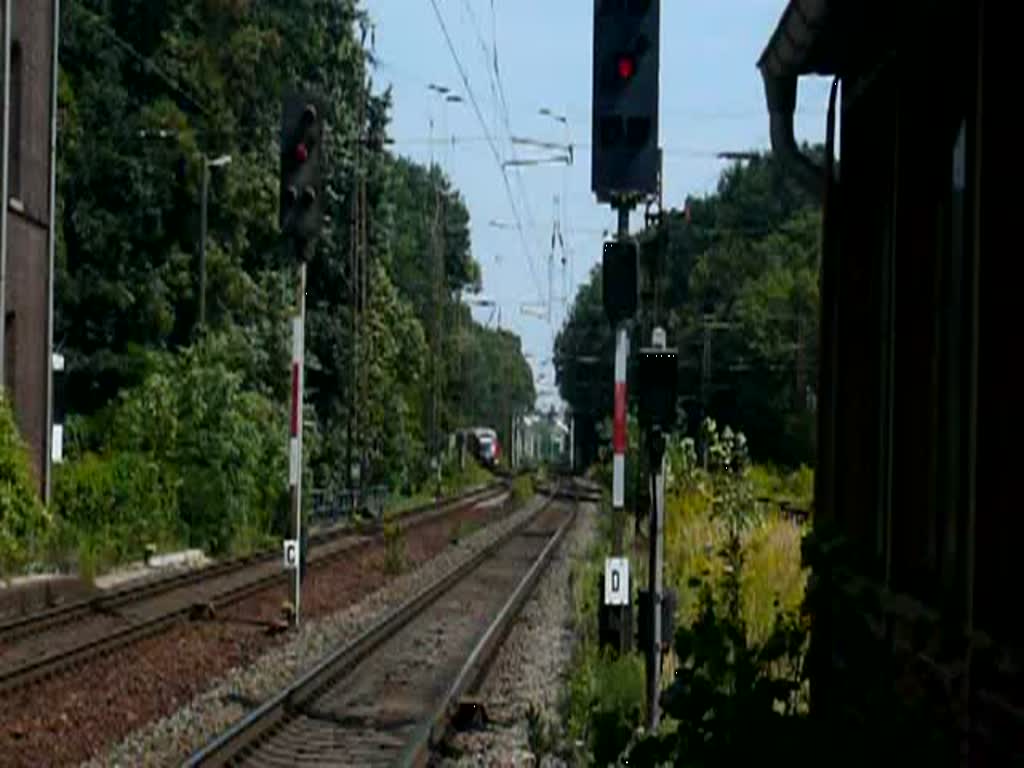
{"type": "Point", "coordinates": [711, 101]}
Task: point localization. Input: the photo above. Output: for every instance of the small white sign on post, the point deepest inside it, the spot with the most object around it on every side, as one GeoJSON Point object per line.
{"type": "Point", "coordinates": [616, 581]}
{"type": "Point", "coordinates": [291, 554]}
{"type": "Point", "coordinates": [57, 449]}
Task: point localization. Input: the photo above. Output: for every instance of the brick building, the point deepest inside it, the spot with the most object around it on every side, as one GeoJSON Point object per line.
{"type": "Point", "coordinates": [28, 29]}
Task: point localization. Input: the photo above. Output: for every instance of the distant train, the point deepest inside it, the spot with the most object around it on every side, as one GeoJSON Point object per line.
{"type": "Point", "coordinates": [483, 444]}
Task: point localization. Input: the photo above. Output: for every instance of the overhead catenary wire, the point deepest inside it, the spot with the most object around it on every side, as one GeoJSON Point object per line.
{"type": "Point", "coordinates": [490, 142]}
{"type": "Point", "coordinates": [507, 124]}
{"type": "Point", "coordinates": [104, 27]}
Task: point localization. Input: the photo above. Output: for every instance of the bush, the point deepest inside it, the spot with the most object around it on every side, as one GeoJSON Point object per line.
{"type": "Point", "coordinates": [606, 702]}
{"type": "Point", "coordinates": [225, 444]}
{"type": "Point", "coordinates": [118, 502]}
{"type": "Point", "coordinates": [732, 702]}
{"type": "Point", "coordinates": [24, 522]}
{"type": "Point", "coordinates": [394, 547]}
{"type": "Point", "coordinates": [190, 456]}
{"type": "Point", "coordinates": [523, 490]}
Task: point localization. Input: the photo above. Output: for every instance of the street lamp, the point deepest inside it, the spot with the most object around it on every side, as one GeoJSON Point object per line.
{"type": "Point", "coordinates": [218, 162]}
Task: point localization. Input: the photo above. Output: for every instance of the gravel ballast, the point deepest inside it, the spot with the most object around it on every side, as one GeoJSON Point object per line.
{"type": "Point", "coordinates": [530, 669]}
{"type": "Point", "coordinates": [171, 739]}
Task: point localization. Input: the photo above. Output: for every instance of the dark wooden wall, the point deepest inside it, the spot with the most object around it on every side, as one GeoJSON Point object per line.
{"type": "Point", "coordinates": [925, 474]}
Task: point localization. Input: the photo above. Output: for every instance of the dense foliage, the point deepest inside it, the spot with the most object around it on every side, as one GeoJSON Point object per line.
{"type": "Point", "coordinates": [735, 565]}
{"type": "Point", "coordinates": [182, 430]}
{"type": "Point", "coordinates": [736, 274]}
{"type": "Point", "coordinates": [21, 515]}
{"type": "Point", "coordinates": [736, 682]}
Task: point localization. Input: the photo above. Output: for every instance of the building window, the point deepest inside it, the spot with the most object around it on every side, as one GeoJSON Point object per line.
{"type": "Point", "coordinates": [14, 140]}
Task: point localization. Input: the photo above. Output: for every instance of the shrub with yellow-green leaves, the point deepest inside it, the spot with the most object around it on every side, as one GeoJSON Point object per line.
{"type": "Point", "coordinates": [24, 523]}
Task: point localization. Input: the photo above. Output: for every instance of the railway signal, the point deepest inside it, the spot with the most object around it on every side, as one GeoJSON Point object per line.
{"type": "Point", "coordinates": [301, 201]}
{"type": "Point", "coordinates": [626, 159]}
{"type": "Point", "coordinates": [301, 216]}
{"type": "Point", "coordinates": [619, 280]}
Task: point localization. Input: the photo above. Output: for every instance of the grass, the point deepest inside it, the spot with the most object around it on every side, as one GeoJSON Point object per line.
{"type": "Point", "coordinates": [604, 700]}
{"type": "Point", "coordinates": [772, 572]}
{"type": "Point", "coordinates": [394, 548]}
{"type": "Point", "coordinates": [771, 548]}
{"type": "Point", "coordinates": [523, 489]}
{"type": "Point", "coordinates": [464, 529]}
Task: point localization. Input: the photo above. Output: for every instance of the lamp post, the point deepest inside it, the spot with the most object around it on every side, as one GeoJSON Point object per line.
{"type": "Point", "coordinates": [218, 162]}
{"type": "Point", "coordinates": [207, 164]}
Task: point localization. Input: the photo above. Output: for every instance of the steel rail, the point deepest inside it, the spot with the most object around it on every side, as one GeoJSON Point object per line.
{"type": "Point", "coordinates": [248, 732]}
{"type": "Point", "coordinates": [34, 622]}
{"type": "Point", "coordinates": [48, 666]}
{"type": "Point", "coordinates": [432, 731]}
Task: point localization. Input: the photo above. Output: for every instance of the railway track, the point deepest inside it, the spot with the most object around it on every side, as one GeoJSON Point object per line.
{"type": "Point", "coordinates": [43, 644]}
{"type": "Point", "coordinates": [388, 696]}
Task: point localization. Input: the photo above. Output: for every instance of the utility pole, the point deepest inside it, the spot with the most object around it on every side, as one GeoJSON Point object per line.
{"type": "Point", "coordinates": [202, 243]}
{"type": "Point", "coordinates": [801, 375]}
{"type": "Point", "coordinates": [705, 385]}
{"type": "Point", "coordinates": [364, 307]}
{"type": "Point", "coordinates": [436, 352]}
{"type": "Point", "coordinates": [556, 237]}
{"type": "Point", "coordinates": [203, 206]}
{"type": "Point", "coordinates": [572, 442]}
{"type": "Point", "coordinates": [5, 68]}
{"type": "Point", "coordinates": [355, 280]}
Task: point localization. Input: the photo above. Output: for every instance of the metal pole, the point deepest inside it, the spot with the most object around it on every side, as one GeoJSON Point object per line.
{"type": "Point", "coordinates": [572, 443]}
{"type": "Point", "coordinates": [295, 452]}
{"type": "Point", "coordinates": [655, 578]}
{"type": "Point", "coordinates": [4, 189]}
{"type": "Point", "coordinates": [656, 444]}
{"type": "Point", "coordinates": [51, 248]}
{"type": "Point", "coordinates": [620, 438]}
{"type": "Point", "coordinates": [202, 242]}
{"type": "Point", "coordinates": [705, 386]}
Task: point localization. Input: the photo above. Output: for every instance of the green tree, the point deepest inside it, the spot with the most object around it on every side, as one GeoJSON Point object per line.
{"type": "Point", "coordinates": [745, 258]}
{"type": "Point", "coordinates": [23, 521]}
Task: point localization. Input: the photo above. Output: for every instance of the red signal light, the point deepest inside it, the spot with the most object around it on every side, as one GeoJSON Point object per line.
{"type": "Point", "coordinates": [301, 153]}
{"type": "Point", "coordinates": [627, 67]}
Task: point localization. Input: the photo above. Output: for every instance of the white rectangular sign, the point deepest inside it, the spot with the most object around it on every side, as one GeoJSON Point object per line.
{"type": "Point", "coordinates": [57, 449]}
{"type": "Point", "coordinates": [616, 581]}
{"type": "Point", "coordinates": [291, 554]}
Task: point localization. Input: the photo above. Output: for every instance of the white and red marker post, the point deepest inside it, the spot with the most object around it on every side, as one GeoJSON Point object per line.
{"type": "Point", "coordinates": [619, 436]}
{"type": "Point", "coordinates": [295, 432]}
